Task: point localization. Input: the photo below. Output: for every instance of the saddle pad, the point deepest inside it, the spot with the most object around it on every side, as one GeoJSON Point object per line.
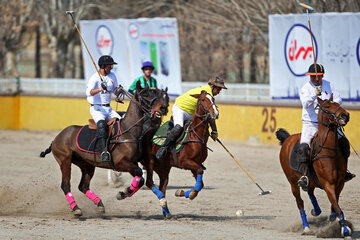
{"type": "Point", "coordinates": [160, 136]}
{"type": "Point", "coordinates": [86, 139]}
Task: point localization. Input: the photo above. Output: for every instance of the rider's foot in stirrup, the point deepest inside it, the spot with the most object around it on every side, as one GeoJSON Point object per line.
{"type": "Point", "coordinates": [349, 176]}
{"type": "Point", "coordinates": [304, 183]}
{"type": "Point", "coordinates": [105, 156]}
{"type": "Point", "coordinates": [161, 153]}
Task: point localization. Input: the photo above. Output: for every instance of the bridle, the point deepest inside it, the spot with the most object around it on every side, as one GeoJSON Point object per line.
{"type": "Point", "coordinates": [333, 119]}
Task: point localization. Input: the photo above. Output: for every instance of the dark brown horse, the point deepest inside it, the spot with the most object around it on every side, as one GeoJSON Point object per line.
{"type": "Point", "coordinates": [190, 157]}
{"type": "Point", "coordinates": [328, 163]}
{"type": "Point", "coordinates": [146, 105]}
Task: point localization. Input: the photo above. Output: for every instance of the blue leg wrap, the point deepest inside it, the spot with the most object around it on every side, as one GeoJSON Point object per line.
{"type": "Point", "coordinates": [198, 185]}
{"type": "Point", "coordinates": [303, 218]}
{"type": "Point", "coordinates": [165, 211]}
{"type": "Point", "coordinates": [333, 214]}
{"type": "Point", "coordinates": [187, 193]}
{"type": "Point", "coordinates": [314, 202]}
{"type": "Point", "coordinates": [343, 224]}
{"type": "Point", "coordinates": [157, 192]}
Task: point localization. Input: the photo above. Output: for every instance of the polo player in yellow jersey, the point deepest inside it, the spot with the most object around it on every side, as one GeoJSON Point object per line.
{"type": "Point", "coordinates": [184, 108]}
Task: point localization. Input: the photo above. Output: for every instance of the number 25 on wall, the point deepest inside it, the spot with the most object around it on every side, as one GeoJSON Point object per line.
{"type": "Point", "coordinates": [270, 120]}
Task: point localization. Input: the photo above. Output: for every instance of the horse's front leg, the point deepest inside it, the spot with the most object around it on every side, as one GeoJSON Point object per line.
{"type": "Point", "coordinates": [333, 196]}
{"type": "Point", "coordinates": [192, 193]}
{"type": "Point", "coordinates": [136, 183]}
{"type": "Point", "coordinates": [316, 210]}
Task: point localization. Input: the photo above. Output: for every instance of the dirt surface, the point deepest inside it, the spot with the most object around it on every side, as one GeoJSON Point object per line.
{"type": "Point", "coordinates": [33, 205]}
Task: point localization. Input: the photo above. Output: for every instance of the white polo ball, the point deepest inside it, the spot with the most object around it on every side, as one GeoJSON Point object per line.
{"type": "Point", "coordinates": [239, 213]}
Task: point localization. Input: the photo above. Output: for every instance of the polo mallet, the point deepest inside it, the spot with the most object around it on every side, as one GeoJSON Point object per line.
{"type": "Point", "coordinates": [72, 17]}
{"type": "Point", "coordinates": [262, 191]}
{"type": "Point", "coordinates": [309, 8]}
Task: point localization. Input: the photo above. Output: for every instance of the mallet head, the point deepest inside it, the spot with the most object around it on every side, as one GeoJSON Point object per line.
{"type": "Point", "coordinates": [70, 12]}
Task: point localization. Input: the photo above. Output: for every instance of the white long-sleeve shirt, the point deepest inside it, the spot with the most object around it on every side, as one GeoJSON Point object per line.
{"type": "Point", "coordinates": [102, 97]}
{"type": "Point", "coordinates": [309, 101]}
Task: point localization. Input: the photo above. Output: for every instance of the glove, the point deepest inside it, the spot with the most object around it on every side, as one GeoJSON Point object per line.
{"type": "Point", "coordinates": [104, 86]}
{"type": "Point", "coordinates": [214, 135]}
{"type": "Point", "coordinates": [318, 90]}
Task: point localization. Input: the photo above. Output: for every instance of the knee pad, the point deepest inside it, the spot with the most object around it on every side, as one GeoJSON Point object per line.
{"type": "Point", "coordinates": [344, 145]}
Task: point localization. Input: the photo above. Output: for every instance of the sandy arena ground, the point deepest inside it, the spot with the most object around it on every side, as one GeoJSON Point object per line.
{"type": "Point", "coordinates": [33, 205]}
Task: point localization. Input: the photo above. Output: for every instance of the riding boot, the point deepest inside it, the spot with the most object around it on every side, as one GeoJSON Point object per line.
{"type": "Point", "coordinates": [344, 145]}
{"type": "Point", "coordinates": [303, 154]}
{"type": "Point", "coordinates": [172, 135]}
{"type": "Point", "coordinates": [101, 136]}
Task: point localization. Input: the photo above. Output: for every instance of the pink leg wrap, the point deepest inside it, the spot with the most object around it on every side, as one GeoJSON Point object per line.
{"type": "Point", "coordinates": [135, 185]}
{"type": "Point", "coordinates": [93, 197]}
{"type": "Point", "coordinates": [71, 200]}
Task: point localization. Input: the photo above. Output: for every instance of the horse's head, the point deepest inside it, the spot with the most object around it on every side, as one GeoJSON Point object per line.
{"type": "Point", "coordinates": [206, 107]}
{"type": "Point", "coordinates": [331, 113]}
{"type": "Point", "coordinates": [153, 101]}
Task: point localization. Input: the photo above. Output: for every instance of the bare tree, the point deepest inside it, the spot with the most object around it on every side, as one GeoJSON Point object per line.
{"type": "Point", "coordinates": [60, 30]}
{"type": "Point", "coordinates": [15, 22]}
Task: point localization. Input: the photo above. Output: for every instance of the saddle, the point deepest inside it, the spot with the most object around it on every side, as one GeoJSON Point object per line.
{"type": "Point", "coordinates": [161, 134]}
{"type": "Point", "coordinates": [86, 140]}
{"type": "Point", "coordinates": [294, 163]}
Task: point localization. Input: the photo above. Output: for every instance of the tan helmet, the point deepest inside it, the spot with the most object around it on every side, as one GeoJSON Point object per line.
{"type": "Point", "coordinates": [217, 81]}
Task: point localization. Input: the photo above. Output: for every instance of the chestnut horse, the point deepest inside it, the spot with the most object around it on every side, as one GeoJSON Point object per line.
{"type": "Point", "coordinates": [327, 161]}
{"type": "Point", "coordinates": [147, 104]}
{"type": "Point", "coordinates": [190, 157]}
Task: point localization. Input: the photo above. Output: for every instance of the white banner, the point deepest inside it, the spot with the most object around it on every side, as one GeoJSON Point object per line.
{"type": "Point", "coordinates": [336, 43]}
{"type": "Point", "coordinates": [131, 42]}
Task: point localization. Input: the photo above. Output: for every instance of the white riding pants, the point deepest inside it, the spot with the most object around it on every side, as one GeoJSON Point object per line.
{"type": "Point", "coordinates": [99, 112]}
{"type": "Point", "coordinates": [309, 129]}
{"type": "Point", "coordinates": [179, 115]}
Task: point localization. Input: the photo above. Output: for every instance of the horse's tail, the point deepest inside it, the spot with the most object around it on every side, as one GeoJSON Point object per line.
{"type": "Point", "coordinates": [282, 135]}
{"type": "Point", "coordinates": [48, 150]}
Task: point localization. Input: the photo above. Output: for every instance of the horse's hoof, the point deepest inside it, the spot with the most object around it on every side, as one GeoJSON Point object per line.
{"type": "Point", "coordinates": [100, 207]}
{"type": "Point", "coordinates": [168, 216]}
{"type": "Point", "coordinates": [77, 212]}
{"type": "Point", "coordinates": [193, 195]}
{"type": "Point", "coordinates": [306, 231]}
{"type": "Point", "coordinates": [180, 193]}
{"type": "Point", "coordinates": [120, 196]}
{"type": "Point", "coordinates": [314, 213]}
{"type": "Point", "coordinates": [163, 203]}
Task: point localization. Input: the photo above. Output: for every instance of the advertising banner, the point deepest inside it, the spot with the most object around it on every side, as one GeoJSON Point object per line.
{"type": "Point", "coordinates": [131, 42]}
{"type": "Point", "coordinates": [336, 40]}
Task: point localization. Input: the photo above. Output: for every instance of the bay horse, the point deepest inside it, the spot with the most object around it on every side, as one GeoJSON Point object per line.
{"type": "Point", "coordinates": [327, 162]}
{"type": "Point", "coordinates": [147, 104]}
{"type": "Point", "coordinates": [190, 157]}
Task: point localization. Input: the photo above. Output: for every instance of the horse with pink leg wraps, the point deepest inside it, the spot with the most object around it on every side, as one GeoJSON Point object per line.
{"type": "Point", "coordinates": [125, 139]}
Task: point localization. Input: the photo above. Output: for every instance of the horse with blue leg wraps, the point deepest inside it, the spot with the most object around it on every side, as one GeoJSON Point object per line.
{"type": "Point", "coordinates": [146, 105]}
{"type": "Point", "coordinates": [190, 156]}
{"type": "Point", "coordinates": [328, 165]}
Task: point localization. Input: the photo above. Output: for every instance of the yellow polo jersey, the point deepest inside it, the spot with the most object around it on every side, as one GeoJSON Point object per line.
{"type": "Point", "coordinates": [188, 103]}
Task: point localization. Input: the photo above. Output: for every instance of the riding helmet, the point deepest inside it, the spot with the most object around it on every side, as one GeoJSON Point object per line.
{"type": "Point", "coordinates": [319, 68]}
{"type": "Point", "coordinates": [106, 60]}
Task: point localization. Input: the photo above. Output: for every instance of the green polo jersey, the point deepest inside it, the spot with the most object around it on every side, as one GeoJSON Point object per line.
{"type": "Point", "coordinates": [188, 103]}
{"type": "Point", "coordinates": [152, 83]}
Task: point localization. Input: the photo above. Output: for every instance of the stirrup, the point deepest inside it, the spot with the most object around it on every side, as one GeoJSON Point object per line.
{"type": "Point", "coordinates": [105, 156]}
{"type": "Point", "coordinates": [303, 182]}
{"type": "Point", "coordinates": [349, 176]}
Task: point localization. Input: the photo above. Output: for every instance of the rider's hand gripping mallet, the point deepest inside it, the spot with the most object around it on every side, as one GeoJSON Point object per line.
{"type": "Point", "coordinates": [72, 17]}
{"type": "Point", "coordinates": [262, 191]}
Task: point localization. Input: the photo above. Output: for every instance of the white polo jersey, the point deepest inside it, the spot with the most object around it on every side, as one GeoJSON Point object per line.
{"type": "Point", "coordinates": [309, 101]}
{"type": "Point", "coordinates": [104, 97]}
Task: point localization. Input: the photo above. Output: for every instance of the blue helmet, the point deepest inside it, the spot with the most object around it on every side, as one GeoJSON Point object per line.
{"type": "Point", "coordinates": [147, 64]}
